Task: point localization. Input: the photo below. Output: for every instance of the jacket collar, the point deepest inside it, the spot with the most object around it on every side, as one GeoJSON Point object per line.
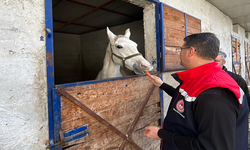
{"type": "Point", "coordinates": [198, 71]}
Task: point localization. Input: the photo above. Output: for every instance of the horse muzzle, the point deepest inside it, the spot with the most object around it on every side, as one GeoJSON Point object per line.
{"type": "Point", "coordinates": [139, 69]}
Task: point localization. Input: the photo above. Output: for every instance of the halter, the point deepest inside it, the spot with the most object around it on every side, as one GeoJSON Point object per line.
{"type": "Point", "coordinates": [122, 58]}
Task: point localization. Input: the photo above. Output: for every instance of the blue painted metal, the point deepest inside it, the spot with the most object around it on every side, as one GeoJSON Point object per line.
{"type": "Point", "coordinates": [158, 35]}
{"type": "Point", "coordinates": [193, 17]}
{"type": "Point", "coordinates": [50, 67]}
{"type": "Point", "coordinates": [154, 1]}
{"type": "Point", "coordinates": [57, 116]}
{"type": "Point", "coordinates": [185, 25]}
{"type": "Point", "coordinates": [76, 131]}
{"type": "Point", "coordinates": [162, 38]}
{"type": "Point", "coordinates": [235, 37]}
{"type": "Point", "coordinates": [236, 63]}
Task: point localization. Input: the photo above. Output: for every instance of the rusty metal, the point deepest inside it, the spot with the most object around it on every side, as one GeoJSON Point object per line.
{"type": "Point", "coordinates": [132, 126]}
{"type": "Point", "coordinates": [93, 10]}
{"type": "Point", "coordinates": [63, 140]}
{"type": "Point", "coordinates": [96, 116]}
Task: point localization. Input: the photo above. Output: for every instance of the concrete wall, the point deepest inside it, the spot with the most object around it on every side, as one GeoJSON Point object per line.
{"type": "Point", "coordinates": [23, 91]}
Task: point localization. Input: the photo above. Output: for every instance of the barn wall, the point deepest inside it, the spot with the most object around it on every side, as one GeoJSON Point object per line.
{"type": "Point", "coordinates": [67, 56]}
{"type": "Point", "coordinates": [23, 90]}
{"type": "Point", "coordinates": [93, 46]}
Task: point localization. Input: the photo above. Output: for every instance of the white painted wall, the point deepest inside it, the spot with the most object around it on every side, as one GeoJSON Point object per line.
{"type": "Point", "coordinates": [23, 91]}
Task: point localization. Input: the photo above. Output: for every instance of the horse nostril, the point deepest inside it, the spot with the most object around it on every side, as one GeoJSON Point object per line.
{"type": "Point", "coordinates": [143, 66]}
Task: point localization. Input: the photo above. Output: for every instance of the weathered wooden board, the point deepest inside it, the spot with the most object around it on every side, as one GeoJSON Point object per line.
{"type": "Point", "coordinates": [172, 58]}
{"type": "Point", "coordinates": [174, 32]}
{"type": "Point", "coordinates": [247, 51]}
{"type": "Point", "coordinates": [174, 23]}
{"type": "Point", "coordinates": [193, 25]}
{"type": "Point", "coordinates": [237, 68]}
{"type": "Point", "coordinates": [248, 72]}
{"type": "Point", "coordinates": [236, 50]}
{"type": "Point", "coordinates": [118, 102]}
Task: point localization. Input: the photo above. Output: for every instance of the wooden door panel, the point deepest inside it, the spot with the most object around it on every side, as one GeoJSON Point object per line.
{"type": "Point", "coordinates": [118, 102]}
{"type": "Point", "coordinates": [177, 25]}
{"type": "Point", "coordinates": [236, 55]}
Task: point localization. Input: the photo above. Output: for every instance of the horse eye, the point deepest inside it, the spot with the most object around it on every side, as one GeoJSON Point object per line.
{"type": "Point", "coordinates": [119, 46]}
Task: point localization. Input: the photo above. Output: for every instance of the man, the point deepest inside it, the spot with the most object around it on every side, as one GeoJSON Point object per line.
{"type": "Point", "coordinates": [207, 111]}
{"type": "Point", "coordinates": [221, 60]}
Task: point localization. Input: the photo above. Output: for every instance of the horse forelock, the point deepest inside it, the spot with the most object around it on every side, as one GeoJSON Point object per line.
{"type": "Point", "coordinates": [124, 40]}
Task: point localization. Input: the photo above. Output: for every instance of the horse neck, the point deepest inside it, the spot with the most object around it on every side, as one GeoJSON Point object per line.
{"type": "Point", "coordinates": [110, 69]}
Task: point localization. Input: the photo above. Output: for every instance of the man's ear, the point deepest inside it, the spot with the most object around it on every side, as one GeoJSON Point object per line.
{"type": "Point", "coordinates": [192, 51]}
{"type": "Point", "coordinates": [224, 62]}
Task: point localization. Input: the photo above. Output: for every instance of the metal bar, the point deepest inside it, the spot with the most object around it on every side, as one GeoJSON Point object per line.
{"type": "Point", "coordinates": [82, 3]}
{"type": "Point", "coordinates": [78, 24]}
{"type": "Point", "coordinates": [93, 10]}
{"type": "Point", "coordinates": [131, 128]}
{"type": "Point", "coordinates": [93, 114]}
{"type": "Point", "coordinates": [50, 68]}
{"type": "Point", "coordinates": [57, 3]}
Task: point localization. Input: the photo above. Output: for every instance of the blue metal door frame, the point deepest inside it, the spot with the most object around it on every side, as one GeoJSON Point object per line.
{"type": "Point", "coordinates": [54, 102]}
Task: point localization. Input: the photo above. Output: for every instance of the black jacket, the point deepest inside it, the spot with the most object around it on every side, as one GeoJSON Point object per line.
{"type": "Point", "coordinates": [241, 82]}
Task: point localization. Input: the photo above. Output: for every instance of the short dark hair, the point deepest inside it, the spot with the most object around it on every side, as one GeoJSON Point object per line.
{"type": "Point", "coordinates": [207, 45]}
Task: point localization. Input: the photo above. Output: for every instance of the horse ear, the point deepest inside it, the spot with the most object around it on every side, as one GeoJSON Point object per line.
{"type": "Point", "coordinates": [127, 33]}
{"type": "Point", "coordinates": [111, 35]}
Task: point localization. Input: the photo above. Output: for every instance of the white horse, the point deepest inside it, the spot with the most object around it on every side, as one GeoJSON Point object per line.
{"type": "Point", "coordinates": [121, 51]}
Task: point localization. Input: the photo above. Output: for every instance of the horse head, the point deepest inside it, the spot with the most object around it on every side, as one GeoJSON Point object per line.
{"type": "Point", "coordinates": [124, 53]}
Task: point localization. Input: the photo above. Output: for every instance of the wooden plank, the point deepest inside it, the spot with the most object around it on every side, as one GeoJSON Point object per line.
{"type": "Point", "coordinates": [174, 25]}
{"type": "Point", "coordinates": [174, 22]}
{"type": "Point", "coordinates": [247, 51]}
{"type": "Point", "coordinates": [173, 15]}
{"type": "Point", "coordinates": [112, 101]}
{"type": "Point", "coordinates": [193, 22]}
{"type": "Point", "coordinates": [236, 68]}
{"type": "Point", "coordinates": [175, 33]}
{"type": "Point", "coordinates": [171, 41]}
{"type": "Point", "coordinates": [191, 30]}
{"type": "Point", "coordinates": [172, 58]}
{"type": "Point", "coordinates": [237, 50]}
{"type": "Point", "coordinates": [234, 48]}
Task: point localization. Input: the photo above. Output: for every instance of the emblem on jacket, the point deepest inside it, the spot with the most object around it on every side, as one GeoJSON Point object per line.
{"type": "Point", "coordinates": [180, 106]}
